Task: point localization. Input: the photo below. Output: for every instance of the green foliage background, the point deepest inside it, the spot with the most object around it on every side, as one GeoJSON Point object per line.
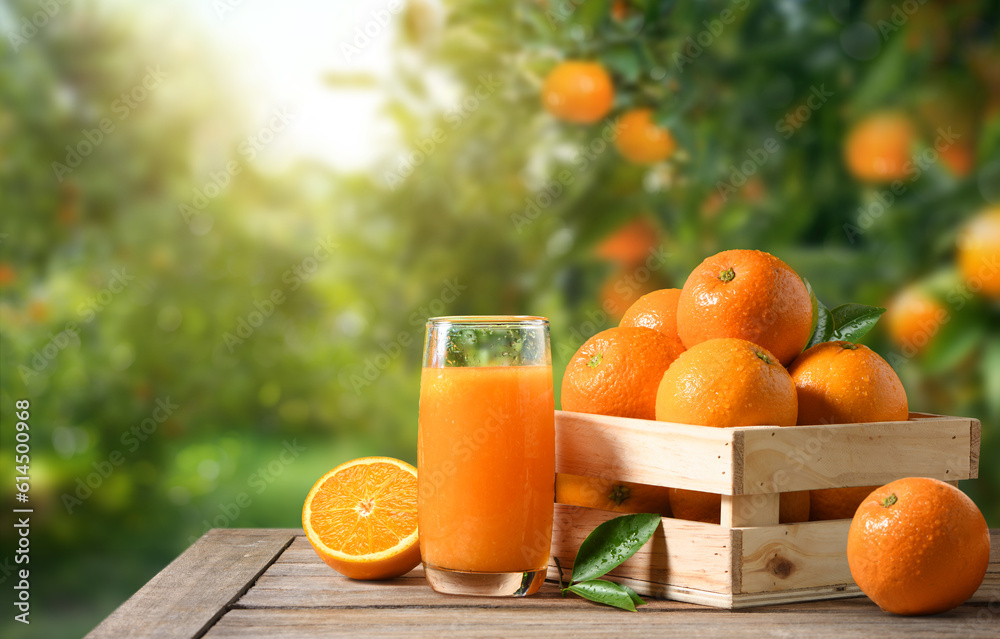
{"type": "Point", "coordinates": [333, 371]}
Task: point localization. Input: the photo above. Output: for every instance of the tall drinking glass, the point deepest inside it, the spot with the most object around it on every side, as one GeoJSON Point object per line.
{"type": "Point", "coordinates": [486, 454]}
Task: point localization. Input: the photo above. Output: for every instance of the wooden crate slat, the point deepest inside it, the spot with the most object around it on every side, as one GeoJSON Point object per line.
{"type": "Point", "coordinates": [750, 560]}
{"type": "Point", "coordinates": [794, 557]}
{"type": "Point", "coordinates": [809, 457]}
{"type": "Point", "coordinates": [680, 552]}
{"type": "Point", "coordinates": [766, 459]}
{"type": "Point", "coordinates": [635, 450]}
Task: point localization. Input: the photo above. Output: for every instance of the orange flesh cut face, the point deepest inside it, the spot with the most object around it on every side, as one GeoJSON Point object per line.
{"type": "Point", "coordinates": [367, 509]}
{"type": "Point", "coordinates": [361, 518]}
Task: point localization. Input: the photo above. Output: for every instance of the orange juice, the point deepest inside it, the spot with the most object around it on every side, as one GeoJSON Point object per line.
{"type": "Point", "coordinates": [486, 468]}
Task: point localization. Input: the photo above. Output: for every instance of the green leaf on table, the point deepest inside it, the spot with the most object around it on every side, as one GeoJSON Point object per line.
{"type": "Point", "coordinates": [611, 543]}
{"type": "Point", "coordinates": [852, 321]}
{"type": "Point", "coordinates": [636, 599]}
{"type": "Point", "coordinates": [606, 592]}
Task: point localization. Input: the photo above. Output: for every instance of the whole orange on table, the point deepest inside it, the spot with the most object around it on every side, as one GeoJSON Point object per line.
{"type": "Point", "coordinates": [361, 518]}
{"type": "Point", "coordinates": [918, 546]}
{"type": "Point", "coordinates": [749, 295]}
{"type": "Point", "coordinates": [640, 140]}
{"type": "Point", "coordinates": [845, 383]}
{"type": "Point", "coordinates": [578, 91]}
{"type": "Point", "coordinates": [617, 372]}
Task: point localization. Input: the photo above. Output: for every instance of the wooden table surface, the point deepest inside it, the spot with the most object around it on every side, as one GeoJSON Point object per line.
{"type": "Point", "coordinates": [270, 583]}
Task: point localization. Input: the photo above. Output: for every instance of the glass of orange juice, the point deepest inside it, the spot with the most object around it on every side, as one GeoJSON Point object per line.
{"type": "Point", "coordinates": [486, 454]}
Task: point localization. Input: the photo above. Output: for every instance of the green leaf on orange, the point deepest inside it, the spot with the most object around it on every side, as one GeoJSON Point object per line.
{"type": "Point", "coordinates": [851, 322]}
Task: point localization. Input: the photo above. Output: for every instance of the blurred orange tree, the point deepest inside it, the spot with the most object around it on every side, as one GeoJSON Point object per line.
{"type": "Point", "coordinates": [219, 335]}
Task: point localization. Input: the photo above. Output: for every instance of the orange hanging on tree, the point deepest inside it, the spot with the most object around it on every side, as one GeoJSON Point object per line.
{"type": "Point", "coordinates": [641, 141]}
{"type": "Point", "coordinates": [979, 253]}
{"type": "Point", "coordinates": [878, 148]}
{"type": "Point", "coordinates": [578, 91]}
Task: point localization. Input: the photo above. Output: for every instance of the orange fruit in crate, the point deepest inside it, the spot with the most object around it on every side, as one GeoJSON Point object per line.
{"type": "Point", "coordinates": [727, 382]}
{"type": "Point", "coordinates": [845, 383]}
{"type": "Point", "coordinates": [695, 505]}
{"type": "Point", "coordinates": [749, 295]}
{"type": "Point", "coordinates": [878, 148]}
{"type": "Point", "coordinates": [656, 310]}
{"type": "Point", "coordinates": [610, 494]}
{"type": "Point", "coordinates": [617, 371]}
{"type": "Point", "coordinates": [918, 546]}
{"type": "Point", "coordinates": [914, 317]}
{"type": "Point", "coordinates": [979, 253]}
{"type": "Point", "coordinates": [836, 503]}
{"type": "Point", "coordinates": [642, 141]}
{"type": "Point", "coordinates": [361, 518]}
{"type": "Point", "coordinates": [578, 91]}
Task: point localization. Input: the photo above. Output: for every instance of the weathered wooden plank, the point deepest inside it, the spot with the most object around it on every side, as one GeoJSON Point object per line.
{"type": "Point", "coordinates": [766, 459]}
{"type": "Point", "coordinates": [193, 591]}
{"type": "Point", "coordinates": [847, 618]}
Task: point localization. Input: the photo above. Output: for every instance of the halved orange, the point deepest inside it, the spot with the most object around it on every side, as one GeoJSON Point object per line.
{"type": "Point", "coordinates": [361, 518]}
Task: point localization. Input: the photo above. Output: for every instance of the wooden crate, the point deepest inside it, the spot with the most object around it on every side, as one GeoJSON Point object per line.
{"type": "Point", "coordinates": [750, 559]}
